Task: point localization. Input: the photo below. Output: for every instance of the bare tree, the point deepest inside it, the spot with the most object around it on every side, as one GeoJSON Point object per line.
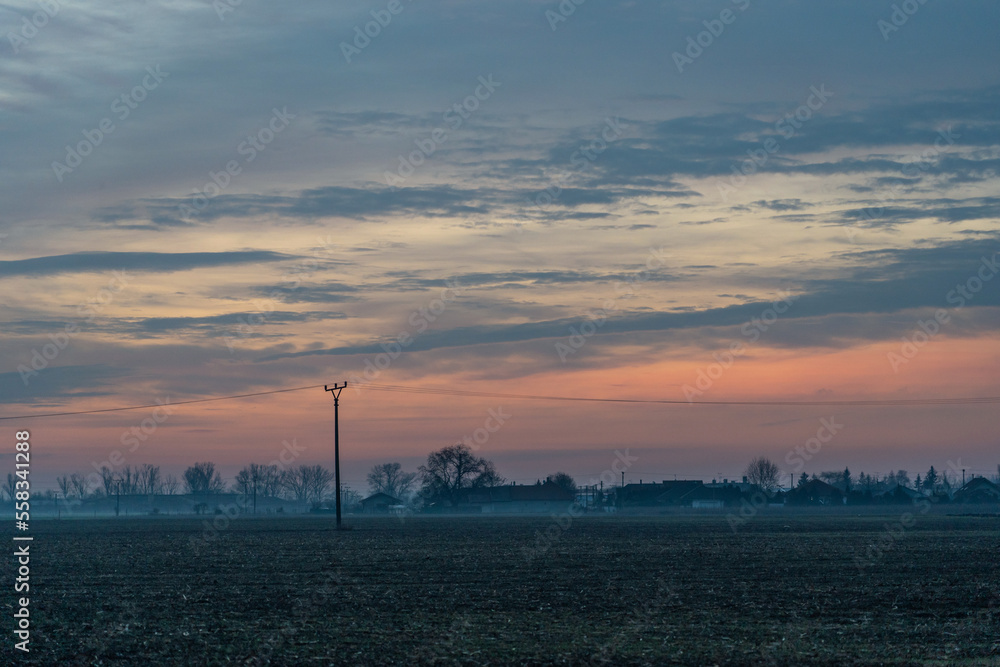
{"type": "Point", "coordinates": [108, 479]}
{"type": "Point", "coordinates": [10, 488]}
{"type": "Point", "coordinates": [308, 483]}
{"type": "Point", "coordinates": [170, 485]}
{"type": "Point", "coordinates": [81, 487]}
{"type": "Point", "coordinates": [242, 483]}
{"type": "Point", "coordinates": [389, 478]}
{"type": "Point", "coordinates": [270, 481]}
{"type": "Point", "coordinates": [64, 485]}
{"type": "Point", "coordinates": [763, 473]}
{"type": "Point", "coordinates": [147, 479]}
{"type": "Point", "coordinates": [295, 486]}
{"type": "Point", "coordinates": [128, 481]}
{"type": "Point", "coordinates": [203, 478]}
{"type": "Point", "coordinates": [450, 470]}
{"type": "Point", "coordinates": [320, 479]}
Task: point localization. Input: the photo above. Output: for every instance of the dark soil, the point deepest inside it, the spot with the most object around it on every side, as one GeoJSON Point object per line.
{"type": "Point", "coordinates": [603, 590]}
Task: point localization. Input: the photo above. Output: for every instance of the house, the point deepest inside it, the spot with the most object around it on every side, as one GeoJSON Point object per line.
{"type": "Point", "coordinates": [815, 492]}
{"type": "Point", "coordinates": [540, 498]}
{"type": "Point", "coordinates": [679, 493]}
{"type": "Point", "coordinates": [900, 495]}
{"type": "Point", "coordinates": [379, 503]}
{"type": "Point", "coordinates": [978, 490]}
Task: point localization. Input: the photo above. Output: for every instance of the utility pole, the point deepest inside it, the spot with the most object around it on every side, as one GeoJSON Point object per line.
{"type": "Point", "coordinates": [335, 390]}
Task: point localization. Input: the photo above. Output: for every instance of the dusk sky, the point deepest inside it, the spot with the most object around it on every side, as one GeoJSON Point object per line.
{"type": "Point", "coordinates": [607, 199]}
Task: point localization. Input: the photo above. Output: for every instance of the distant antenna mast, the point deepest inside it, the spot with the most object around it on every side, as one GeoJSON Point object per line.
{"type": "Point", "coordinates": [335, 390]}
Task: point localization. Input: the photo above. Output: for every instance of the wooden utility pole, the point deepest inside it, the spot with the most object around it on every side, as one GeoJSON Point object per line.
{"type": "Point", "coordinates": [335, 390]}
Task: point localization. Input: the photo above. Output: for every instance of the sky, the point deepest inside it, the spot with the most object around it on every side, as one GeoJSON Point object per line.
{"type": "Point", "coordinates": [725, 200]}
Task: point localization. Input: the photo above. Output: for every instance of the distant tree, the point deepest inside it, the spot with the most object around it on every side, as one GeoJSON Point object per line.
{"type": "Point", "coordinates": [203, 478]}
{"type": "Point", "coordinates": [931, 479]}
{"type": "Point", "coordinates": [917, 483]}
{"type": "Point", "coordinates": [320, 480]}
{"type": "Point", "coordinates": [846, 480]}
{"type": "Point", "coordinates": [866, 482]}
{"type": "Point", "coordinates": [128, 479]}
{"type": "Point", "coordinates": [170, 485]}
{"type": "Point", "coordinates": [763, 473]}
{"type": "Point", "coordinates": [803, 478]}
{"type": "Point", "coordinates": [108, 480]}
{"type": "Point", "coordinates": [81, 487]}
{"type": "Point", "coordinates": [249, 483]}
{"type": "Point", "coordinates": [10, 487]}
{"type": "Point", "coordinates": [902, 478]}
{"type": "Point", "coordinates": [270, 481]}
{"type": "Point", "coordinates": [946, 482]}
{"type": "Point", "coordinates": [307, 483]}
{"type": "Point", "coordinates": [450, 470]}
{"type": "Point", "coordinates": [832, 477]}
{"type": "Point", "coordinates": [563, 480]}
{"type": "Point", "coordinates": [147, 479]}
{"type": "Point", "coordinates": [242, 483]}
{"type": "Point", "coordinates": [64, 485]}
{"type": "Point", "coordinates": [389, 478]}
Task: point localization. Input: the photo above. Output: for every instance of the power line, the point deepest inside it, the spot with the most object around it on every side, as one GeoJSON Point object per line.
{"type": "Point", "coordinates": [160, 405]}
{"type": "Point", "coordinates": [973, 400]}
{"type": "Point", "coordinates": [883, 402]}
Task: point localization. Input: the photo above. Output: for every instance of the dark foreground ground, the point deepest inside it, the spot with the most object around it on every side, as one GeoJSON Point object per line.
{"type": "Point", "coordinates": [606, 590]}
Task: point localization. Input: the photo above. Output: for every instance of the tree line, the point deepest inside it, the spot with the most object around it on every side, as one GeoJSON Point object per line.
{"type": "Point", "coordinates": [766, 475]}
{"type": "Point", "coordinates": [447, 474]}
